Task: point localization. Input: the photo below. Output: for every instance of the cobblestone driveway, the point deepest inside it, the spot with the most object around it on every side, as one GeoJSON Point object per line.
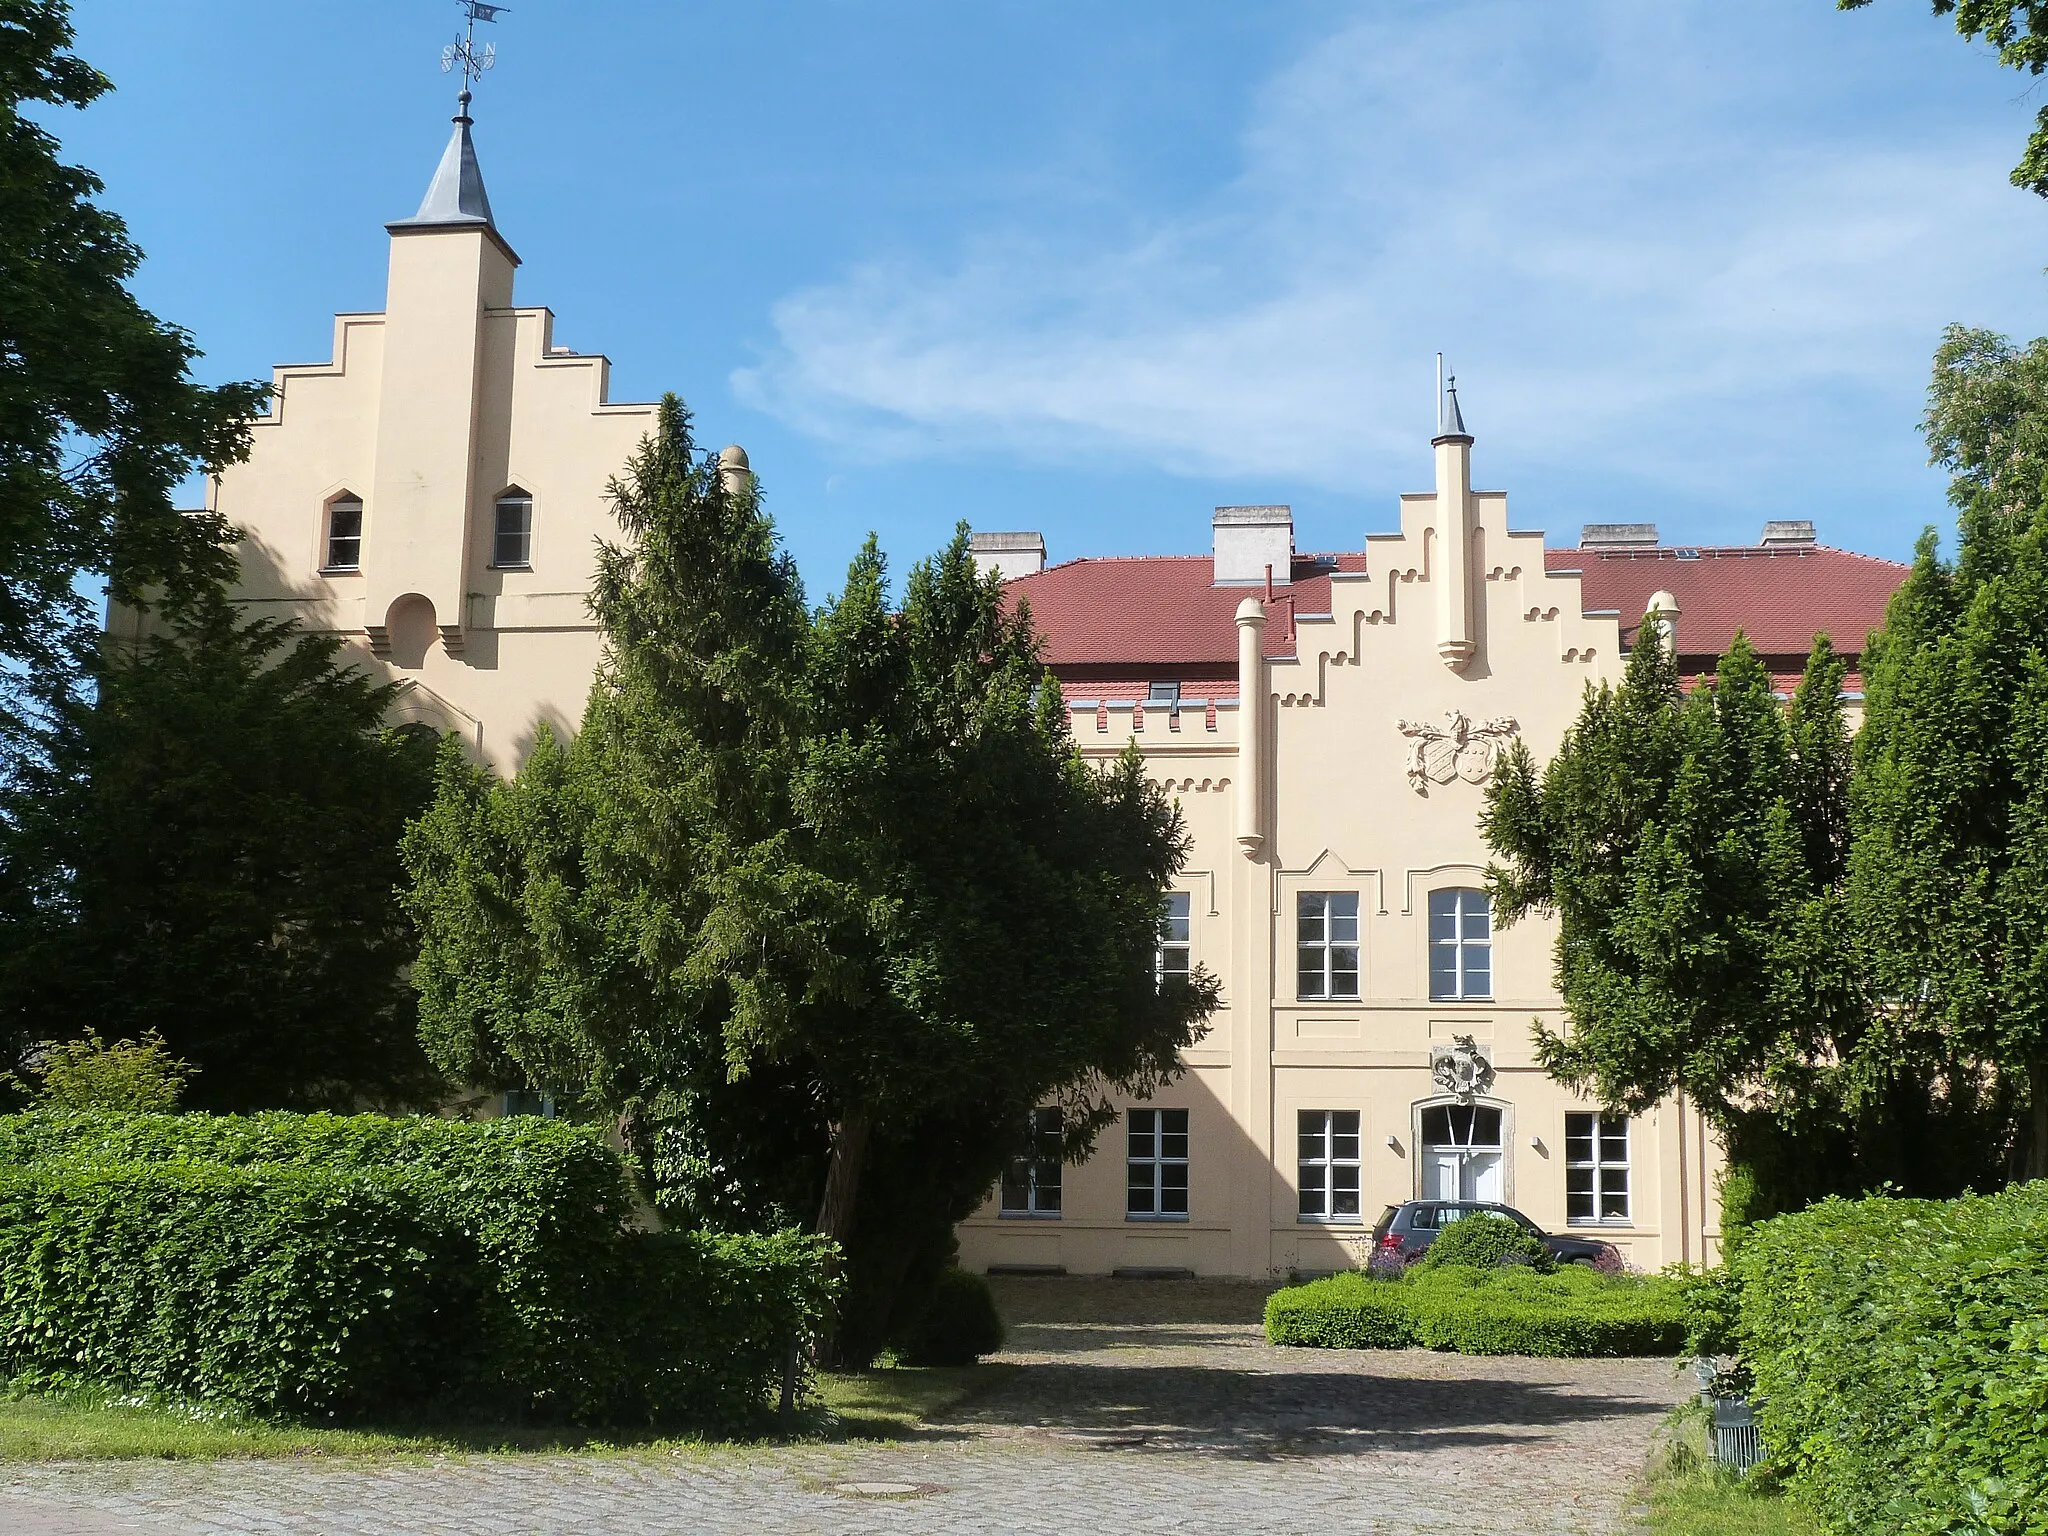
{"type": "Point", "coordinates": [1143, 1407]}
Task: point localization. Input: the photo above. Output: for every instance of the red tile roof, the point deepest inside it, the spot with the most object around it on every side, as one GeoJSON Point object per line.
{"type": "Point", "coordinates": [1112, 625]}
{"type": "Point", "coordinates": [1142, 611]}
{"type": "Point", "coordinates": [1780, 597]}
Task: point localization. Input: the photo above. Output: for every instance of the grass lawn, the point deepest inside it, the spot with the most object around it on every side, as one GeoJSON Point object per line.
{"type": "Point", "coordinates": [91, 1425]}
{"type": "Point", "coordinates": [1689, 1496]}
{"type": "Point", "coordinates": [1703, 1505]}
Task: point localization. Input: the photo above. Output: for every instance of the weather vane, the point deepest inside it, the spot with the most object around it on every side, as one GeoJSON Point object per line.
{"type": "Point", "coordinates": [472, 57]}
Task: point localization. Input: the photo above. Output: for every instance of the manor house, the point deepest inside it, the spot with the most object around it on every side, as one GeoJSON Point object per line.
{"type": "Point", "coordinates": [434, 491]}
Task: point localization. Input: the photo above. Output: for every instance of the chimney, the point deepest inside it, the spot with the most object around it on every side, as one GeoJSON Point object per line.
{"type": "Point", "coordinates": [1009, 555]}
{"type": "Point", "coordinates": [1788, 535]}
{"type": "Point", "coordinates": [1250, 540]}
{"type": "Point", "coordinates": [1618, 536]}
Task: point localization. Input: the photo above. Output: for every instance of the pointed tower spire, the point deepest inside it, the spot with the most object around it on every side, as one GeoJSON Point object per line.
{"type": "Point", "coordinates": [1450, 420]}
{"type": "Point", "coordinates": [456, 195]}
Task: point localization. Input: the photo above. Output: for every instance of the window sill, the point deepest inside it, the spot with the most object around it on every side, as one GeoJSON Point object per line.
{"type": "Point", "coordinates": [1169, 1216]}
{"type": "Point", "coordinates": [1329, 1221]}
{"type": "Point", "coordinates": [1486, 1000]}
{"type": "Point", "coordinates": [1598, 1223]}
{"type": "Point", "coordinates": [523, 566]}
{"type": "Point", "coordinates": [1347, 997]}
{"type": "Point", "coordinates": [1028, 1215]}
{"type": "Point", "coordinates": [341, 570]}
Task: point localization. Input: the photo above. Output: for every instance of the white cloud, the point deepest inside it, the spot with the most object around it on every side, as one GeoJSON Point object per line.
{"type": "Point", "coordinates": [1626, 224]}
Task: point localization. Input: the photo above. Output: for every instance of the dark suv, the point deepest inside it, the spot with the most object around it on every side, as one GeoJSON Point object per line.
{"type": "Point", "coordinates": [1409, 1228]}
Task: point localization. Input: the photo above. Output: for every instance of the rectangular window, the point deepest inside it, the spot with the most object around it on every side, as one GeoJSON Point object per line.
{"type": "Point", "coordinates": [513, 546]}
{"type": "Point", "coordinates": [1329, 1164]}
{"type": "Point", "coordinates": [344, 535]}
{"type": "Point", "coordinates": [1460, 945]}
{"type": "Point", "coordinates": [1174, 936]}
{"type": "Point", "coordinates": [1156, 1166]}
{"type": "Point", "coordinates": [1596, 1168]}
{"type": "Point", "coordinates": [1326, 944]}
{"type": "Point", "coordinates": [1167, 694]}
{"type": "Point", "coordinates": [1032, 1186]}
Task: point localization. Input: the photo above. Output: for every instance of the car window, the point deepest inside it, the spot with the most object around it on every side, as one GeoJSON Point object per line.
{"type": "Point", "coordinates": [1446, 1214]}
{"type": "Point", "coordinates": [1422, 1218]}
{"type": "Point", "coordinates": [1385, 1224]}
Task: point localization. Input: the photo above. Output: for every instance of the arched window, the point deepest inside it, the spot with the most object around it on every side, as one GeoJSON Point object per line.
{"type": "Point", "coordinates": [512, 544]}
{"type": "Point", "coordinates": [1460, 945]}
{"type": "Point", "coordinates": [344, 544]}
{"type": "Point", "coordinates": [1461, 1152]}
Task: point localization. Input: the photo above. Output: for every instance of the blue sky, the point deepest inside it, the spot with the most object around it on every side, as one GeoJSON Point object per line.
{"type": "Point", "coordinates": [1092, 267]}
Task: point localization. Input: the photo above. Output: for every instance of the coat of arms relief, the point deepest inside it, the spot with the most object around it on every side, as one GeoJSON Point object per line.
{"type": "Point", "coordinates": [1463, 1069]}
{"type": "Point", "coordinates": [1459, 748]}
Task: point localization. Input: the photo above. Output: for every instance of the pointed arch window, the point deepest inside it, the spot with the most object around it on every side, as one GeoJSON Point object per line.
{"type": "Point", "coordinates": [343, 548]}
{"type": "Point", "coordinates": [512, 537]}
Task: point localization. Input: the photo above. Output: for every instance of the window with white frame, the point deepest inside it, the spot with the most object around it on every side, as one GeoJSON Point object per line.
{"type": "Point", "coordinates": [1174, 937]}
{"type": "Point", "coordinates": [1162, 696]}
{"type": "Point", "coordinates": [512, 541]}
{"type": "Point", "coordinates": [1031, 1187]}
{"type": "Point", "coordinates": [1329, 1164]}
{"type": "Point", "coordinates": [1460, 945]}
{"type": "Point", "coordinates": [1326, 944]}
{"type": "Point", "coordinates": [1156, 1165]}
{"type": "Point", "coordinates": [1596, 1168]}
{"type": "Point", "coordinates": [344, 550]}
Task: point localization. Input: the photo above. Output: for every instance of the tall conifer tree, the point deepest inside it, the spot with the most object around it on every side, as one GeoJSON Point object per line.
{"type": "Point", "coordinates": [1946, 878]}
{"type": "Point", "coordinates": [820, 905]}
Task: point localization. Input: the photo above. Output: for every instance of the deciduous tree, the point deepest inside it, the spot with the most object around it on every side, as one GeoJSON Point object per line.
{"type": "Point", "coordinates": [2018, 29]}
{"type": "Point", "coordinates": [100, 419]}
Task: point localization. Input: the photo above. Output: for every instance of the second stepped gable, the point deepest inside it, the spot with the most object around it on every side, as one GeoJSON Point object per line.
{"type": "Point", "coordinates": [1452, 634]}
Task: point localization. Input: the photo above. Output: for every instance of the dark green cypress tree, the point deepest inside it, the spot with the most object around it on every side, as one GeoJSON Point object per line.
{"type": "Point", "coordinates": [203, 842]}
{"type": "Point", "coordinates": [819, 905]}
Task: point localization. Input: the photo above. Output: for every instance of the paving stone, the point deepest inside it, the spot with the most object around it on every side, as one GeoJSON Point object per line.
{"type": "Point", "coordinates": [1143, 1407]}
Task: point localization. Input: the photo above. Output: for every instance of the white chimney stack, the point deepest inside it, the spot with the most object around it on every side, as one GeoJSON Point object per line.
{"type": "Point", "coordinates": [1252, 540]}
{"type": "Point", "coordinates": [1009, 555]}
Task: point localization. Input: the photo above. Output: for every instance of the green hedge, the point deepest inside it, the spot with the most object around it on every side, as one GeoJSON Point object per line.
{"type": "Point", "coordinates": [1483, 1240]}
{"type": "Point", "coordinates": [262, 1288]}
{"type": "Point", "coordinates": [514, 1284]}
{"type": "Point", "coordinates": [1900, 1349]}
{"type": "Point", "coordinates": [1509, 1311]}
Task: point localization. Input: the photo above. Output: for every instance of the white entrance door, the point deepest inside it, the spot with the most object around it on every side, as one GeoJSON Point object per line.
{"type": "Point", "coordinates": [1440, 1169]}
{"type": "Point", "coordinates": [1462, 1153]}
{"type": "Point", "coordinates": [1479, 1177]}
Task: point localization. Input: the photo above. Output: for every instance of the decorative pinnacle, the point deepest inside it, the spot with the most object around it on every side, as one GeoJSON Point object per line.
{"type": "Point", "coordinates": [1450, 421]}
{"type": "Point", "coordinates": [472, 57]}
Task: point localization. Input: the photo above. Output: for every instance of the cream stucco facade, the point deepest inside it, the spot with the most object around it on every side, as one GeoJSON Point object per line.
{"type": "Point", "coordinates": [429, 414]}
{"type": "Point", "coordinates": [435, 493]}
{"type": "Point", "coordinates": [1349, 764]}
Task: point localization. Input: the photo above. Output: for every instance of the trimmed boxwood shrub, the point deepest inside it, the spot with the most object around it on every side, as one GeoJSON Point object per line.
{"type": "Point", "coordinates": [1900, 1350]}
{"type": "Point", "coordinates": [957, 1326]}
{"type": "Point", "coordinates": [1512, 1310]}
{"type": "Point", "coordinates": [1483, 1240]}
{"type": "Point", "coordinates": [521, 1288]}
